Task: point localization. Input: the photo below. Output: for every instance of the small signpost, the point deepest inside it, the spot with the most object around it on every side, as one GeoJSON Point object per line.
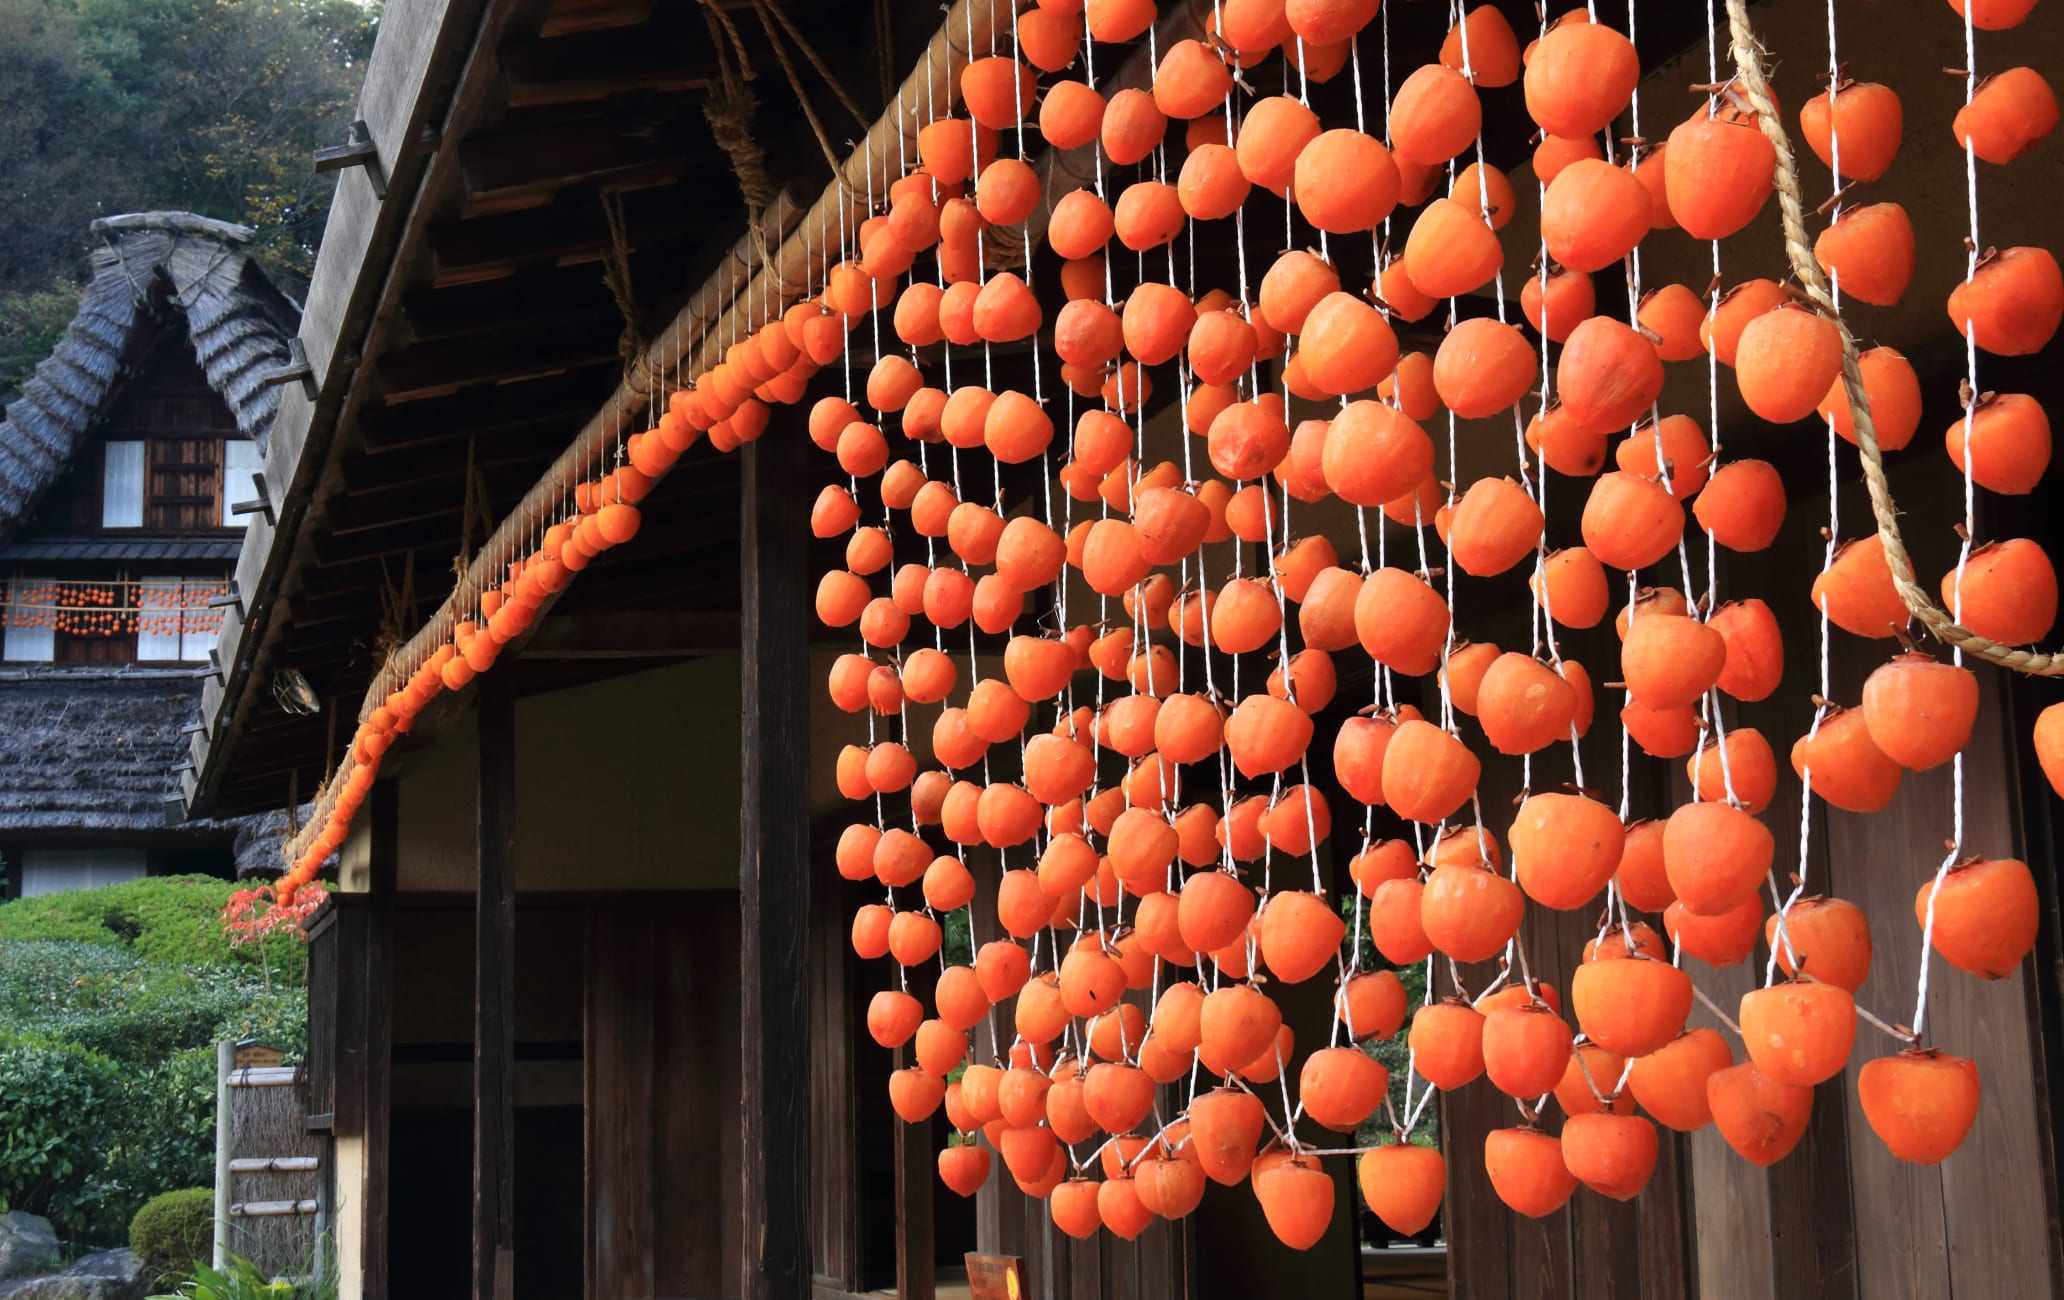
{"type": "Point", "coordinates": [994, 1277]}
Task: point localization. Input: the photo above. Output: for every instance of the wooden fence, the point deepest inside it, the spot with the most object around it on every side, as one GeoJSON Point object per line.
{"type": "Point", "coordinates": [268, 1173]}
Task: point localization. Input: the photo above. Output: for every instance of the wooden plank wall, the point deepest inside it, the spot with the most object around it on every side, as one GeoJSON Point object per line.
{"type": "Point", "coordinates": [664, 1152]}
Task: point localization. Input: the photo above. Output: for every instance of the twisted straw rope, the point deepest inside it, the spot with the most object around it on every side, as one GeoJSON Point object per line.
{"type": "Point", "coordinates": [1748, 61]}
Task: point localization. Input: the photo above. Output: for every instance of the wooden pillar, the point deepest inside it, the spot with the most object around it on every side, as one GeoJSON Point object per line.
{"type": "Point", "coordinates": [494, 939]}
{"type": "Point", "coordinates": [773, 869]}
{"type": "Point", "coordinates": [384, 827]}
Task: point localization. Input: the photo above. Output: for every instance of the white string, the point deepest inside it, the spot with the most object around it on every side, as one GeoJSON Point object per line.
{"type": "Point", "coordinates": [1970, 396]}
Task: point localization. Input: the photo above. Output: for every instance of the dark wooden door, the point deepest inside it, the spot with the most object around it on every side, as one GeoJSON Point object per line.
{"type": "Point", "coordinates": [663, 1145]}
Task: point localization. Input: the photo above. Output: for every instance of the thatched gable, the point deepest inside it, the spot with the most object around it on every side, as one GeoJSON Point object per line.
{"type": "Point", "coordinates": [146, 265]}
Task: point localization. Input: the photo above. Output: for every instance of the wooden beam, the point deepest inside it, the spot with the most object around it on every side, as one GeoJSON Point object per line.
{"type": "Point", "coordinates": [533, 297]}
{"type": "Point", "coordinates": [533, 445]}
{"type": "Point", "coordinates": [774, 864]}
{"type": "Point", "coordinates": [437, 536]}
{"type": "Point", "coordinates": [383, 810]}
{"type": "Point", "coordinates": [428, 498]}
{"type": "Point", "coordinates": [636, 634]}
{"type": "Point", "coordinates": [444, 368]}
{"type": "Point", "coordinates": [519, 406]}
{"type": "Point", "coordinates": [525, 167]}
{"type": "Point", "coordinates": [571, 229]}
{"type": "Point", "coordinates": [598, 65]}
{"type": "Point", "coordinates": [494, 1001]}
{"type": "Point", "coordinates": [595, 15]}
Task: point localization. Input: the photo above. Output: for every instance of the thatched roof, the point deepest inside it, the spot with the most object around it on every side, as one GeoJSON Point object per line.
{"type": "Point", "coordinates": [91, 750]}
{"type": "Point", "coordinates": [146, 265]}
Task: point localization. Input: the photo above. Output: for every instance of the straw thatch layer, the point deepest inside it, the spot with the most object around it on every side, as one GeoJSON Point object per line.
{"type": "Point", "coordinates": [91, 752]}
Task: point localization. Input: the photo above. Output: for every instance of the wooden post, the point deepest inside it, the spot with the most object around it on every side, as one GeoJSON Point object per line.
{"type": "Point", "coordinates": [494, 937]}
{"type": "Point", "coordinates": [225, 1121]}
{"type": "Point", "coordinates": [773, 870]}
{"type": "Point", "coordinates": [384, 809]}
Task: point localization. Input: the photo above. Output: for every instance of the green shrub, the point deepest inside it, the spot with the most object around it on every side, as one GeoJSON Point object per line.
{"type": "Point", "coordinates": [142, 1036]}
{"type": "Point", "coordinates": [172, 1231]}
{"type": "Point", "coordinates": [65, 1109]}
{"type": "Point", "coordinates": [169, 1134]}
{"type": "Point", "coordinates": [135, 1011]}
{"type": "Point", "coordinates": [169, 920]}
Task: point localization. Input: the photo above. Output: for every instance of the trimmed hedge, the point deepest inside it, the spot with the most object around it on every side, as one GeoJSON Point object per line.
{"type": "Point", "coordinates": [171, 1232]}
{"type": "Point", "coordinates": [168, 920]}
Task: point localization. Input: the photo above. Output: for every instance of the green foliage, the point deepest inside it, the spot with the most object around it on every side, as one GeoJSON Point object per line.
{"type": "Point", "coordinates": [121, 993]}
{"type": "Point", "coordinates": [957, 940]}
{"type": "Point", "coordinates": [65, 1106]}
{"type": "Point", "coordinates": [31, 323]}
{"type": "Point", "coordinates": [242, 1280]}
{"type": "Point", "coordinates": [207, 105]}
{"type": "Point", "coordinates": [170, 1126]}
{"type": "Point", "coordinates": [171, 1231]}
{"type": "Point", "coordinates": [170, 920]}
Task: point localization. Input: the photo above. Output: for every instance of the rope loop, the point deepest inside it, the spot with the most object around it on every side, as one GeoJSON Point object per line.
{"type": "Point", "coordinates": [1755, 89]}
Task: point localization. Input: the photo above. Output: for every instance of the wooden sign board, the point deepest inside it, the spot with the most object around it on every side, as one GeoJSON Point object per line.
{"type": "Point", "coordinates": [994, 1277]}
{"type": "Point", "coordinates": [256, 1056]}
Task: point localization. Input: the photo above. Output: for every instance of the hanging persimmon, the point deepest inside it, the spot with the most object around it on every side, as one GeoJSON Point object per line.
{"type": "Point", "coordinates": [1609, 375]}
{"type": "Point", "coordinates": [1525, 1165]}
{"type": "Point", "coordinates": [1985, 913]}
{"type": "Point", "coordinates": [1564, 848]}
{"type": "Point", "coordinates": [1742, 505]}
{"type": "Point", "coordinates": [1630, 522]}
{"type": "Point", "coordinates": [1668, 660]}
{"type": "Point", "coordinates": [1191, 81]}
{"type": "Point", "coordinates": [1571, 587]}
{"type": "Point", "coordinates": [1799, 1032]}
{"type": "Point", "coordinates": [1593, 214]}
{"type": "Point", "coordinates": [998, 91]}
{"type": "Point", "coordinates": [1558, 302]}
{"type": "Point", "coordinates": [1483, 366]}
{"type": "Point", "coordinates": [1346, 346]}
{"type": "Point", "coordinates": [2008, 439]}
{"type": "Point", "coordinates": [1760, 1117]}
{"type": "Point", "coordinates": [1578, 78]}
{"type": "Point", "coordinates": [1496, 524]}
{"type": "Point", "coordinates": [2009, 114]}
{"type": "Point", "coordinates": [1673, 315]}
{"type": "Point", "coordinates": [1434, 115]}
{"type": "Point", "coordinates": [1450, 251]}
{"type": "Point", "coordinates": [1672, 451]}
{"type": "Point", "coordinates": [1482, 45]}
{"type": "Point", "coordinates": [1733, 310]}
{"type": "Point", "coordinates": [1467, 910]}
{"type": "Point", "coordinates": [1563, 443]}
{"type": "Point", "coordinates": [1920, 712]}
{"type": "Point", "coordinates": [1071, 115]}
{"type": "Point", "coordinates": [1272, 134]}
{"type": "Point", "coordinates": [1920, 1103]}
{"type": "Point", "coordinates": [1866, 118]}
{"type": "Point", "coordinates": [1719, 172]}
{"type": "Point", "coordinates": [2012, 303]}
{"type": "Point", "coordinates": [2005, 590]}
{"type": "Point", "coordinates": [1212, 183]}
{"type": "Point", "coordinates": [1868, 252]}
